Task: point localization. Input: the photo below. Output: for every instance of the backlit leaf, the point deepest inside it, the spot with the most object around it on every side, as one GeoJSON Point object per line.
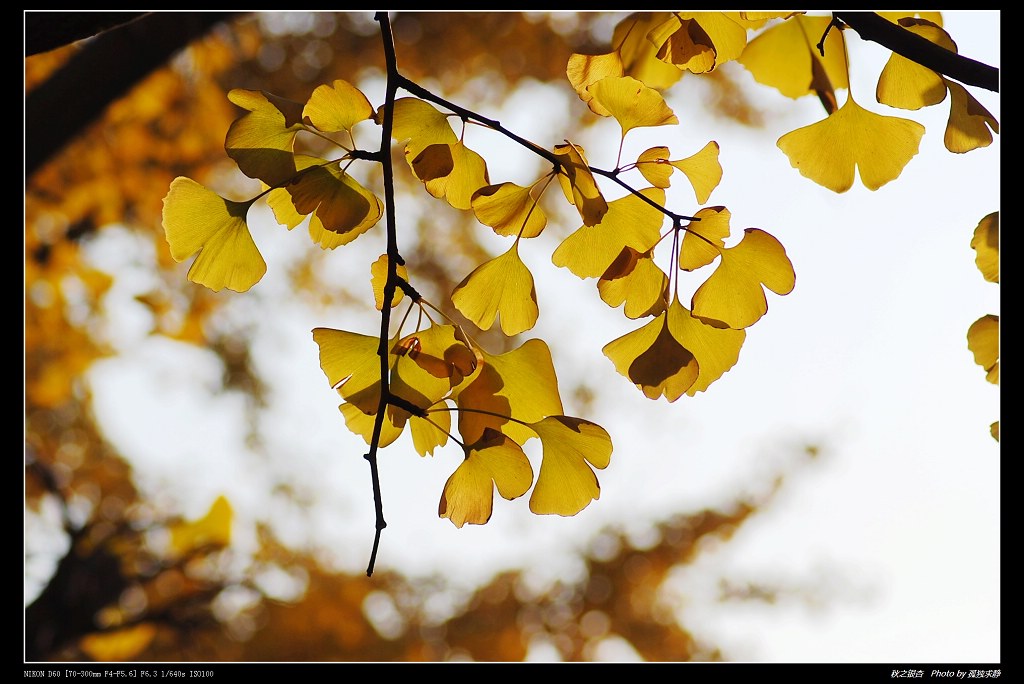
{"type": "Point", "coordinates": [520, 383]}
{"type": "Point", "coordinates": [468, 174]}
{"type": "Point", "coordinates": [572, 448]}
{"type": "Point", "coordinates": [495, 461]}
{"type": "Point", "coordinates": [785, 57]}
{"type": "Point", "coordinates": [585, 70]}
{"type": "Point", "coordinates": [340, 203]}
{"type": "Point", "coordinates": [983, 341]}
{"type": "Point", "coordinates": [733, 296]}
{"type": "Point", "coordinates": [878, 146]}
{"type": "Point", "coordinates": [378, 278]}
{"type": "Point", "coordinates": [578, 184]}
{"type": "Point", "coordinates": [639, 55]}
{"type": "Point", "coordinates": [198, 220]}
{"type": "Point", "coordinates": [654, 360]}
{"type": "Point", "coordinates": [629, 222]}
{"type": "Point", "coordinates": [698, 41]}
{"type": "Point", "coordinates": [418, 124]}
{"type": "Point", "coordinates": [509, 209]}
{"type": "Point", "coordinates": [704, 240]}
{"type": "Point", "coordinates": [501, 287]}
{"type": "Point", "coordinates": [633, 104]}
{"type": "Point", "coordinates": [906, 84]}
{"type": "Point", "coordinates": [654, 164]}
{"type": "Point", "coordinates": [261, 141]}
{"type": "Point", "coordinates": [351, 364]}
{"type": "Point", "coordinates": [985, 243]}
{"type": "Point", "coordinates": [337, 107]}
{"type": "Point", "coordinates": [703, 169]}
{"type": "Point", "coordinates": [634, 279]}
{"type": "Point", "coordinates": [213, 529]}
{"type": "Point", "coordinates": [969, 122]}
{"type": "Point", "coordinates": [427, 435]}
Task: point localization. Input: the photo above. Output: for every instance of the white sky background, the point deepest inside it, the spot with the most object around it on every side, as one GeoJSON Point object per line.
{"type": "Point", "coordinates": [896, 526]}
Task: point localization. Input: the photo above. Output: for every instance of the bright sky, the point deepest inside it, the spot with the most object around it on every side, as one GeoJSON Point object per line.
{"type": "Point", "coordinates": [896, 527]}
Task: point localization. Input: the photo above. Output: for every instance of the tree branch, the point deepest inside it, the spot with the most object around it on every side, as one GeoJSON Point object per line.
{"type": "Point", "coordinates": [63, 106]}
{"type": "Point", "coordinates": [872, 27]}
{"type": "Point", "coordinates": [45, 30]}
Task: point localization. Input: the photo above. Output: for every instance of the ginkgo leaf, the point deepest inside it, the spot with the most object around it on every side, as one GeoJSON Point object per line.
{"type": "Point", "coordinates": [362, 423]}
{"type": "Point", "coordinates": [733, 296]}
{"type": "Point", "coordinates": [654, 360]}
{"type": "Point", "coordinates": [509, 209]}
{"type": "Point", "coordinates": [351, 364]}
{"type": "Point", "coordinates": [584, 70]}
{"type": "Point", "coordinates": [468, 174]}
{"type": "Point", "coordinates": [698, 41]}
{"type": "Point", "coordinates": [629, 222]}
{"type": "Point", "coordinates": [675, 353]}
{"type": "Point", "coordinates": [703, 170]}
{"type": "Point", "coordinates": [418, 124]}
{"type": "Point", "coordinates": [337, 107]}
{"type": "Point", "coordinates": [340, 203]}
{"type": "Point", "coordinates": [261, 141]}
{"type": "Point", "coordinates": [429, 363]}
{"type": "Point", "coordinates": [785, 57]}
{"type": "Point", "coordinates": [878, 146]}
{"type": "Point", "coordinates": [379, 277]}
{"type": "Point", "coordinates": [520, 384]}
{"type": "Point", "coordinates": [985, 243]}
{"type": "Point", "coordinates": [634, 279]}
{"type": "Point", "coordinates": [969, 122]}
{"type": "Point", "coordinates": [639, 55]}
{"type": "Point", "coordinates": [983, 341]}
{"type": "Point", "coordinates": [121, 644]}
{"type": "Point", "coordinates": [495, 461]}
{"type": "Point", "coordinates": [631, 103]}
{"type": "Point", "coordinates": [704, 240]}
{"type": "Point", "coordinates": [502, 287]}
{"type": "Point", "coordinates": [578, 184]}
{"type": "Point", "coordinates": [213, 529]}
{"type": "Point", "coordinates": [572, 448]}
{"type": "Point", "coordinates": [196, 219]}
{"type": "Point", "coordinates": [654, 165]}
{"type": "Point", "coordinates": [430, 433]}
{"type": "Point", "coordinates": [906, 84]}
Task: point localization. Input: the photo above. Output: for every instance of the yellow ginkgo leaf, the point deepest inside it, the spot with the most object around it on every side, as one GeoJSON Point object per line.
{"type": "Point", "coordinates": [634, 279]}
{"type": "Point", "coordinates": [212, 530]}
{"type": "Point", "coordinates": [495, 461]}
{"type": "Point", "coordinates": [703, 169]}
{"type": "Point", "coordinates": [429, 363]}
{"type": "Point", "coordinates": [198, 220]}
{"type": "Point", "coordinates": [733, 296]}
{"type": "Point", "coordinates": [654, 165]}
{"type": "Point", "coordinates": [572, 448]}
{"type": "Point", "coordinates": [969, 122]}
{"type": "Point", "coordinates": [419, 124]}
{"type": "Point", "coordinates": [985, 243]}
{"type": "Point", "coordinates": [362, 423]}
{"type": "Point", "coordinates": [379, 277]}
{"type": "Point", "coordinates": [430, 433]}
{"type": "Point", "coordinates": [704, 240]}
{"type": "Point", "coordinates": [520, 383]}
{"type": "Point", "coordinates": [584, 70]}
{"type": "Point", "coordinates": [340, 203]}
{"type": "Point", "coordinates": [578, 184]}
{"type": "Point", "coordinates": [994, 430]}
{"type": "Point", "coordinates": [337, 107]}
{"type": "Point", "coordinates": [675, 354]}
{"type": "Point", "coordinates": [785, 57]}
{"type": "Point", "coordinates": [629, 222]}
{"type": "Point", "coordinates": [878, 146]}
{"type": "Point", "coordinates": [699, 41]}
{"type": "Point", "coordinates": [261, 141]}
{"type": "Point", "coordinates": [906, 84]}
{"type": "Point", "coordinates": [502, 287]}
{"type": "Point", "coordinates": [351, 364]}
{"type": "Point", "coordinates": [509, 209]}
{"type": "Point", "coordinates": [468, 174]}
{"type": "Point", "coordinates": [983, 341]}
{"type": "Point", "coordinates": [631, 103]}
{"type": "Point", "coordinates": [639, 55]}
{"type": "Point", "coordinates": [654, 360]}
